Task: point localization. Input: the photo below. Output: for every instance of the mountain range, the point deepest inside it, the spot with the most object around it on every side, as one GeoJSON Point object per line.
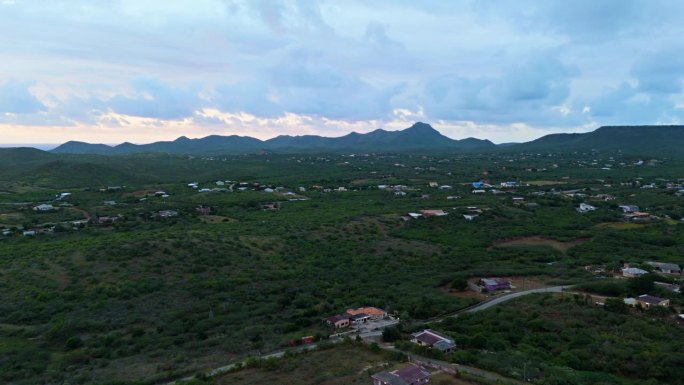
{"type": "Point", "coordinates": [418, 137]}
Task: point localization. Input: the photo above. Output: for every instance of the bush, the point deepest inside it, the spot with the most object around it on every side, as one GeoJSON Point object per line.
{"type": "Point", "coordinates": [74, 343]}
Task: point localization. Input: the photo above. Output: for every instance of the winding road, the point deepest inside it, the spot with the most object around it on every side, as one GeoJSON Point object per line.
{"type": "Point", "coordinates": [463, 368]}
{"type": "Point", "coordinates": [507, 297]}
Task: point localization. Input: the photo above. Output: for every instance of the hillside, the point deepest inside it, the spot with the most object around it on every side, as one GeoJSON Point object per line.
{"type": "Point", "coordinates": [637, 140]}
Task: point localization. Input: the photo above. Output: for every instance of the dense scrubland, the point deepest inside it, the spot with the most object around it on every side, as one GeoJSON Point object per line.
{"type": "Point", "coordinates": [146, 298]}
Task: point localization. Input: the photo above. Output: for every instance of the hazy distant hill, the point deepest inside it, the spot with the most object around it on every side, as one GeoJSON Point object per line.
{"type": "Point", "coordinates": [651, 140]}
{"type": "Point", "coordinates": [420, 136]}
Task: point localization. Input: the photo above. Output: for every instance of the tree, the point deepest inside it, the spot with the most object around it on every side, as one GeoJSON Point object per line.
{"type": "Point", "coordinates": [459, 284]}
{"type": "Point", "coordinates": [391, 334]}
{"type": "Point", "coordinates": [616, 305]}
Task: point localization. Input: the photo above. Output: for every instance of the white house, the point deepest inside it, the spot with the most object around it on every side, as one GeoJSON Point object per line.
{"type": "Point", "coordinates": [44, 207]}
{"type": "Point", "coordinates": [585, 208]}
{"type": "Point", "coordinates": [633, 272]}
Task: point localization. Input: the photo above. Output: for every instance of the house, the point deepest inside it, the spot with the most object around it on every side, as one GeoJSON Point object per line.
{"type": "Point", "coordinates": [647, 301]}
{"type": "Point", "coordinates": [433, 339]}
{"type": "Point", "coordinates": [478, 185]}
{"type": "Point", "coordinates": [339, 321]}
{"type": "Point", "coordinates": [415, 215]}
{"type": "Point", "coordinates": [268, 190]}
{"type": "Point", "coordinates": [371, 312]}
{"type": "Point", "coordinates": [629, 208]}
{"type": "Point", "coordinates": [478, 191]}
{"type": "Point", "coordinates": [273, 206]}
{"type": "Point", "coordinates": [445, 187]}
{"type": "Point", "coordinates": [585, 208]}
{"type": "Point", "coordinates": [433, 213]}
{"type": "Point", "coordinates": [666, 268]}
{"type": "Point", "coordinates": [308, 340]}
{"type": "Point", "coordinates": [410, 374]}
{"type": "Point", "coordinates": [493, 284]}
{"type": "Point", "coordinates": [433, 184]}
{"type": "Point", "coordinates": [160, 193]}
{"type": "Point", "coordinates": [29, 233]}
{"type": "Point", "coordinates": [63, 195]}
{"type": "Point", "coordinates": [359, 318]}
{"type": "Point", "coordinates": [203, 210]}
{"type": "Point", "coordinates": [107, 220]}
{"type": "Point", "coordinates": [469, 217]}
{"type": "Point", "coordinates": [109, 203]}
{"type": "Point", "coordinates": [44, 207]}
{"type": "Point", "coordinates": [168, 213]}
{"type": "Point", "coordinates": [399, 193]}
{"type": "Point", "coordinates": [509, 184]}
{"type": "Point", "coordinates": [633, 272]}
{"type": "Point", "coordinates": [518, 200]}
{"type": "Point", "coordinates": [425, 196]}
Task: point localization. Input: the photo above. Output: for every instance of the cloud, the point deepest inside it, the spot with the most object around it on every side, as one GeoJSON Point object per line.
{"type": "Point", "coordinates": [528, 91]}
{"type": "Point", "coordinates": [660, 72]}
{"type": "Point", "coordinates": [549, 65]}
{"type": "Point", "coordinates": [16, 98]}
{"type": "Point", "coordinates": [154, 99]}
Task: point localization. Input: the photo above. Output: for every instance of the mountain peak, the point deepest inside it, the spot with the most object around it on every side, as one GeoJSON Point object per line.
{"type": "Point", "coordinates": [421, 127]}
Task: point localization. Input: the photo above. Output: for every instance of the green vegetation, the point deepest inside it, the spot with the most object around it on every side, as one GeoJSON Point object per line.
{"type": "Point", "coordinates": [147, 298]}
{"type": "Point", "coordinates": [567, 340]}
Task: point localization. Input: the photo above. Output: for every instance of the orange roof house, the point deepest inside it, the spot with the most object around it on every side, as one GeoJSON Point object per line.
{"type": "Point", "coordinates": [373, 312]}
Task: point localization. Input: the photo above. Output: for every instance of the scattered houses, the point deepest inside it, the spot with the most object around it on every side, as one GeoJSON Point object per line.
{"type": "Point", "coordinates": [410, 374]}
{"type": "Point", "coordinates": [434, 340]}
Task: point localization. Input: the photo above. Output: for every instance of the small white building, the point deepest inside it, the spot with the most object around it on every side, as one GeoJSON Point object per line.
{"type": "Point", "coordinates": [44, 207]}
{"type": "Point", "coordinates": [585, 208]}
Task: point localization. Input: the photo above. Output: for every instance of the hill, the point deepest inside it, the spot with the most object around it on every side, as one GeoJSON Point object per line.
{"type": "Point", "coordinates": [635, 140]}
{"type": "Point", "coordinates": [420, 136]}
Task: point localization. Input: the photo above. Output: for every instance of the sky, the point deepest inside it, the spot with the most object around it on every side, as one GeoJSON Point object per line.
{"type": "Point", "coordinates": [110, 71]}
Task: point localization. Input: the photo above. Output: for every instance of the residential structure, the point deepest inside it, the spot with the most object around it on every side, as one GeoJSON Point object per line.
{"type": "Point", "coordinates": [493, 284]}
{"type": "Point", "coordinates": [410, 374]}
{"type": "Point", "coordinates": [633, 272]}
{"type": "Point", "coordinates": [44, 207]}
{"type": "Point", "coordinates": [371, 312]}
{"type": "Point", "coordinates": [433, 339]}
{"type": "Point", "coordinates": [339, 321]}
{"type": "Point", "coordinates": [585, 208]}
{"type": "Point", "coordinates": [666, 268]}
{"type": "Point", "coordinates": [647, 301]}
{"type": "Point", "coordinates": [433, 213]}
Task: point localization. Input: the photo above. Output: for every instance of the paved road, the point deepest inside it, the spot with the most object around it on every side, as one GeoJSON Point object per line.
{"type": "Point", "coordinates": [466, 369]}
{"type": "Point", "coordinates": [507, 297]}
